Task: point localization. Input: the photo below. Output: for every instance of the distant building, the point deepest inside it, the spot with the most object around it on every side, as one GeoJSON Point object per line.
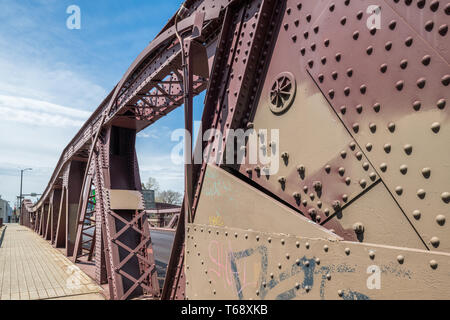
{"type": "Point", "coordinates": [149, 199]}
{"type": "Point", "coordinates": [5, 211]}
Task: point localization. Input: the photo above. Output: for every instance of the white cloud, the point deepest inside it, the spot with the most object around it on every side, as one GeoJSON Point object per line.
{"type": "Point", "coordinates": [40, 113]}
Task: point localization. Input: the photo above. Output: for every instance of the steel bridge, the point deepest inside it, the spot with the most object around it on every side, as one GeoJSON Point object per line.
{"type": "Point", "coordinates": [363, 185]}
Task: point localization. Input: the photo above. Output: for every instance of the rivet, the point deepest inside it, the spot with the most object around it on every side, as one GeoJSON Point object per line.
{"type": "Point", "coordinates": [421, 83]}
{"type": "Point", "coordinates": [317, 186]}
{"type": "Point", "coordinates": [347, 251]}
{"type": "Point", "coordinates": [356, 127]}
{"type": "Point", "coordinates": [391, 127]}
{"type": "Point", "coordinates": [306, 263]}
{"type": "Point", "coordinates": [445, 197]}
{"type": "Point", "coordinates": [352, 145]}
{"type": "Point", "coordinates": [399, 85]}
{"type": "Point", "coordinates": [355, 35]}
{"type": "Point", "coordinates": [297, 285]}
{"type": "Point", "coordinates": [317, 261]}
{"type": "Point", "coordinates": [269, 240]}
{"type": "Point", "coordinates": [287, 256]}
{"type": "Point", "coordinates": [340, 293]}
{"type": "Point", "coordinates": [426, 60]}
{"type": "Point", "coordinates": [408, 41]}
{"type": "Point", "coordinates": [307, 245]}
{"type": "Point", "coordinates": [345, 197]}
{"type": "Point", "coordinates": [279, 266]}
{"type": "Point", "coordinates": [440, 219]}
{"type": "Point", "coordinates": [433, 264]}
{"type": "Point", "coordinates": [377, 107]}
{"type": "Point", "coordinates": [348, 181]}
{"type": "Point", "coordinates": [435, 241]}
{"type": "Point", "coordinates": [435, 5]}
{"type": "Point", "coordinates": [336, 205]}
{"type": "Point", "coordinates": [417, 105]}
{"type": "Point", "coordinates": [388, 46]}
{"type": "Point", "coordinates": [341, 171]}
{"type": "Point", "coordinates": [429, 25]}
{"type": "Point", "coordinates": [416, 214]}
{"type": "Point", "coordinates": [399, 190]}
{"type": "Point", "coordinates": [363, 183]}
{"type": "Point", "coordinates": [372, 254]}
{"type": "Point", "coordinates": [297, 244]}
{"type": "Point", "coordinates": [313, 213]}
{"type": "Point", "coordinates": [383, 68]}
{"type": "Point", "coordinates": [400, 259]}
{"type": "Point", "coordinates": [325, 248]}
{"type": "Point", "coordinates": [359, 108]}
{"type": "Point", "coordinates": [446, 80]}
{"type": "Point", "coordinates": [359, 155]}
{"type": "Point", "coordinates": [358, 227]}
{"type": "Point", "coordinates": [327, 168]}
{"type": "Point", "coordinates": [296, 195]}
{"type": "Point", "coordinates": [349, 72]}
{"type": "Point", "coordinates": [282, 241]}
{"type": "Point", "coordinates": [328, 276]}
{"type": "Point", "coordinates": [403, 169]}
{"type": "Point", "coordinates": [387, 148]}
{"type": "Point", "coordinates": [392, 24]}
{"type": "Point", "coordinates": [369, 50]}
{"type": "Point", "coordinates": [373, 127]}
{"type": "Point", "coordinates": [435, 127]}
{"type": "Point", "coordinates": [343, 20]}
{"type": "Point", "coordinates": [441, 104]}
{"type": "Point", "coordinates": [421, 193]}
{"type": "Point", "coordinates": [443, 30]}
{"type": "Point", "coordinates": [403, 64]}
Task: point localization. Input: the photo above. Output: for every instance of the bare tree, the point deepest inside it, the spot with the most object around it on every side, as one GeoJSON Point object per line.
{"type": "Point", "coordinates": [151, 184]}
{"type": "Point", "coordinates": [170, 197]}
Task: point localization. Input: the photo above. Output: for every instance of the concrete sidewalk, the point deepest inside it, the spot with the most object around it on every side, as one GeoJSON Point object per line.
{"type": "Point", "coordinates": [31, 269]}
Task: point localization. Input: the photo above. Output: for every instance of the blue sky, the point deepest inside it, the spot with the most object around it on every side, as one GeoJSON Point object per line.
{"type": "Point", "coordinates": [52, 78]}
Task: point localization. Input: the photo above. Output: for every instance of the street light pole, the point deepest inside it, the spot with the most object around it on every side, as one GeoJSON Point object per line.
{"type": "Point", "coordinates": [21, 181]}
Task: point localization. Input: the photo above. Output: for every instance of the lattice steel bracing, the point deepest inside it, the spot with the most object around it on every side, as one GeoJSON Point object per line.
{"type": "Point", "coordinates": [86, 232]}
{"type": "Point", "coordinates": [362, 156]}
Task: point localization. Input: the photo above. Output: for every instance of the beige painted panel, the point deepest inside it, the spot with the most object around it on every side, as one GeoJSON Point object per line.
{"type": "Point", "coordinates": [125, 200]}
{"type": "Point", "coordinates": [381, 218]}
{"type": "Point", "coordinates": [228, 201]}
{"type": "Point", "coordinates": [225, 263]}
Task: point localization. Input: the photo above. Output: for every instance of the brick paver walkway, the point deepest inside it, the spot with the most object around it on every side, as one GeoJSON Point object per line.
{"type": "Point", "coordinates": [30, 268]}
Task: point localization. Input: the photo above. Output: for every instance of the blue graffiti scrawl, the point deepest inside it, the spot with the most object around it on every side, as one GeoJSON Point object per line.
{"type": "Point", "coordinates": [307, 267]}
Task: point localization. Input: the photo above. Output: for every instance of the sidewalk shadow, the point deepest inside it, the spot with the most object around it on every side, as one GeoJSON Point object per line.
{"type": "Point", "coordinates": [3, 235]}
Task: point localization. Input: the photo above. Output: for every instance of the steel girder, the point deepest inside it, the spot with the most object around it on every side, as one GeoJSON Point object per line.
{"type": "Point", "coordinates": [352, 161]}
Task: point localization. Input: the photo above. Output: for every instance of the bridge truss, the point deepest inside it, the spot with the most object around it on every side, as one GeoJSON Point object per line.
{"type": "Point", "coordinates": [363, 183]}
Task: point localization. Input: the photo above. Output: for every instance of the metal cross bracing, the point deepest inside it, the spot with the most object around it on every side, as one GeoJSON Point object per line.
{"type": "Point", "coordinates": [354, 165]}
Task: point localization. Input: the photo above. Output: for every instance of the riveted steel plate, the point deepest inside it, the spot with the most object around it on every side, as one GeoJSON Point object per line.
{"type": "Point", "coordinates": [390, 89]}
{"type": "Point", "coordinates": [125, 200]}
{"type": "Point", "coordinates": [224, 263]}
{"type": "Point", "coordinates": [227, 201]}
{"type": "Point", "coordinates": [321, 168]}
{"type": "Point", "coordinates": [429, 18]}
{"type": "Point", "coordinates": [382, 221]}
